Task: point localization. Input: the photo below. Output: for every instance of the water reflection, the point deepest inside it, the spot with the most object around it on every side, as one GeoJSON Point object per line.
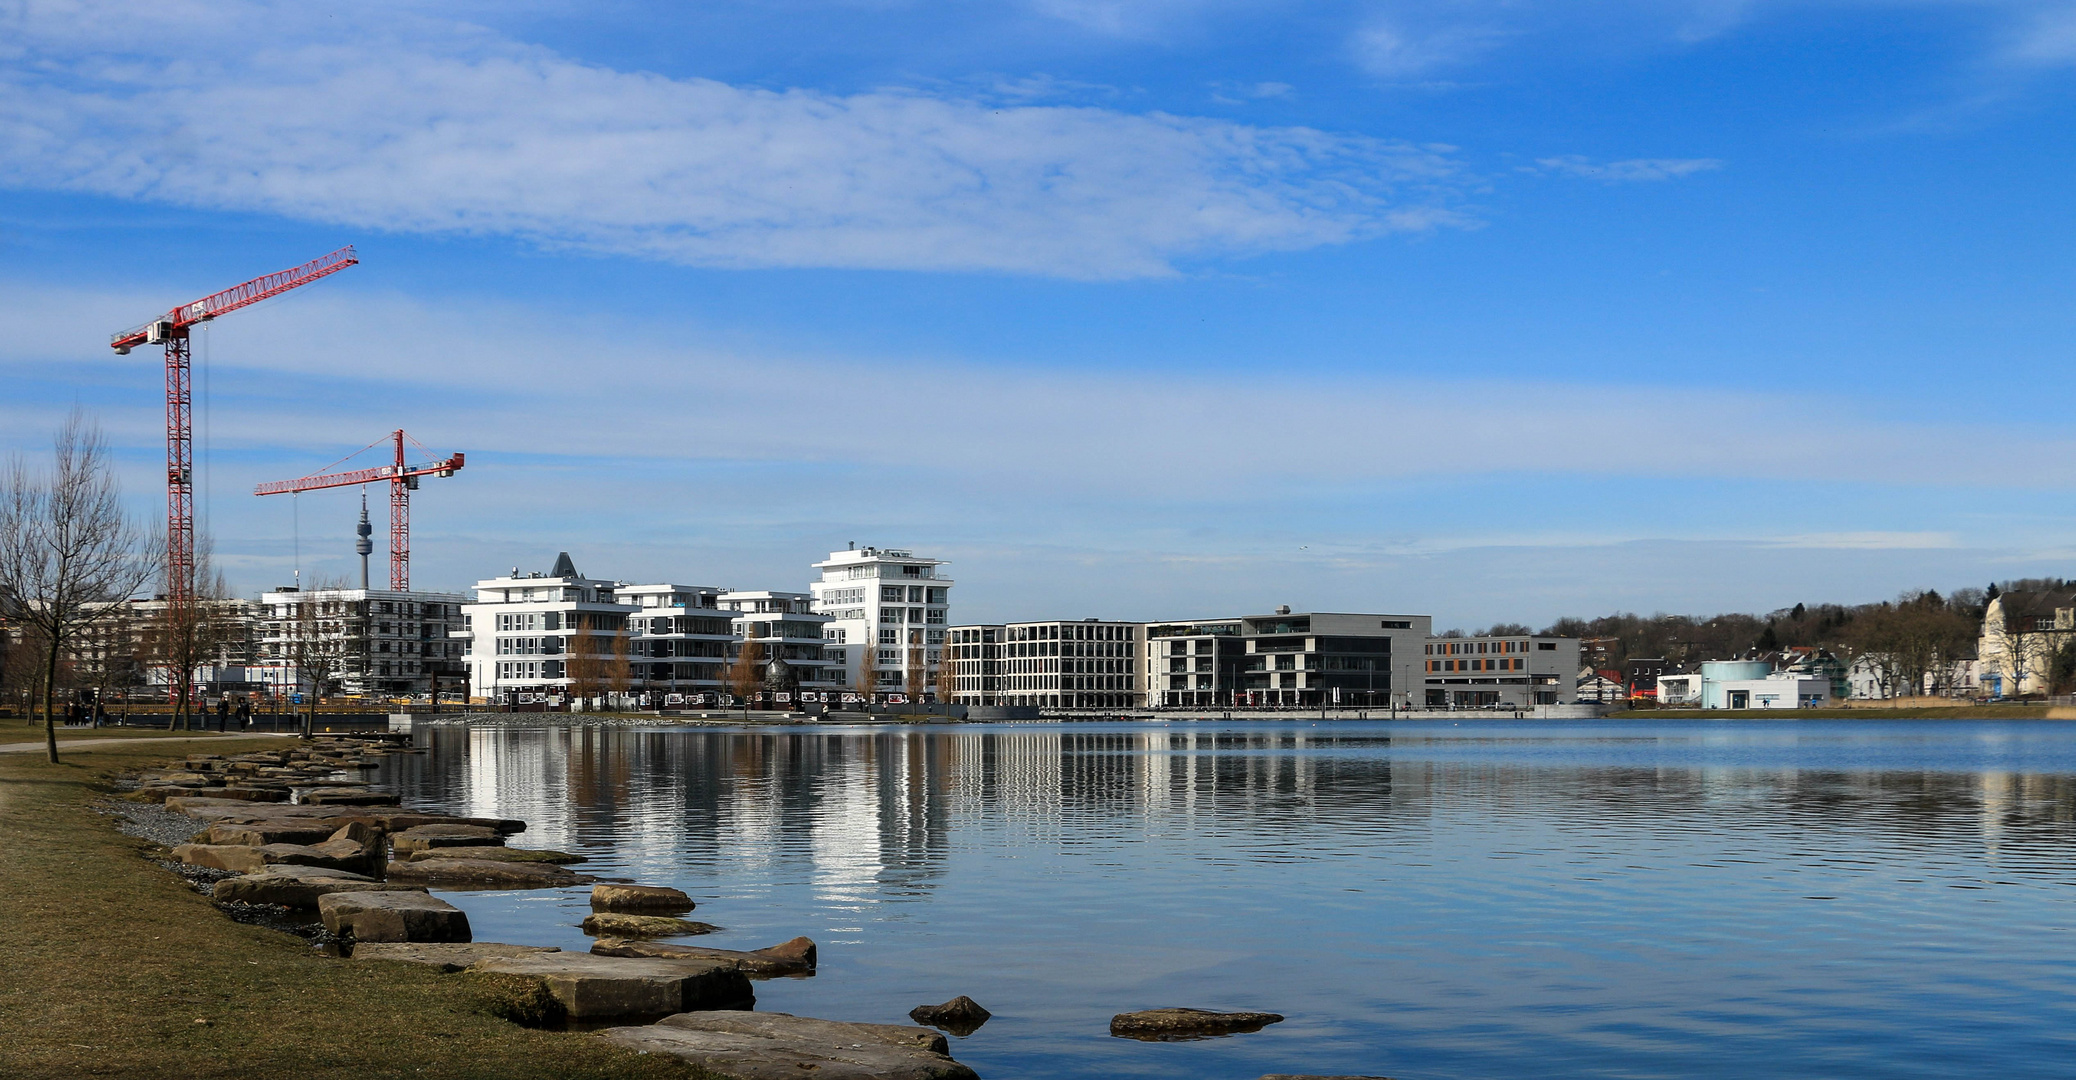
{"type": "Point", "coordinates": [1879, 899]}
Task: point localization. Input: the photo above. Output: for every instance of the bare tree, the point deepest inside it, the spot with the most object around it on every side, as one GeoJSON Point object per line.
{"type": "Point", "coordinates": [189, 636]}
{"type": "Point", "coordinates": [619, 675]}
{"type": "Point", "coordinates": [868, 670]}
{"type": "Point", "coordinates": [584, 668]}
{"type": "Point", "coordinates": [743, 677]}
{"type": "Point", "coordinates": [67, 549]}
{"type": "Point", "coordinates": [947, 676]}
{"type": "Point", "coordinates": [918, 672]}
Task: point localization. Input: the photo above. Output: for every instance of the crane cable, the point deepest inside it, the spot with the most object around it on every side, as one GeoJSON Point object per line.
{"type": "Point", "coordinates": [205, 429]}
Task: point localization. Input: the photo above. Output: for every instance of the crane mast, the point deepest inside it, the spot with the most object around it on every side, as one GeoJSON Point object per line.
{"type": "Point", "coordinates": [171, 332]}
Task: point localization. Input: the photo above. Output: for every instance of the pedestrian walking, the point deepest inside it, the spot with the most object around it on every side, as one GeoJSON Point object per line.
{"type": "Point", "coordinates": [223, 714]}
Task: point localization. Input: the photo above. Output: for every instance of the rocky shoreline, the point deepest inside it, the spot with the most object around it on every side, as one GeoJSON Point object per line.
{"type": "Point", "coordinates": [290, 839]}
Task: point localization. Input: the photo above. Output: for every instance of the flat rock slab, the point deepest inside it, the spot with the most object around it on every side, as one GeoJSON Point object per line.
{"type": "Point", "coordinates": [593, 986]}
{"type": "Point", "coordinates": [614, 924]}
{"type": "Point", "coordinates": [261, 835]}
{"type": "Point", "coordinates": [1168, 1025]}
{"type": "Point", "coordinates": [428, 837]}
{"type": "Point", "coordinates": [233, 857]}
{"type": "Point", "coordinates": [796, 957]}
{"type": "Point", "coordinates": [392, 916]}
{"type": "Point", "coordinates": [299, 886]}
{"type": "Point", "coordinates": [330, 797]}
{"type": "Point", "coordinates": [652, 899]}
{"type": "Point", "coordinates": [771, 1046]}
{"type": "Point", "coordinates": [483, 874]}
{"type": "Point", "coordinates": [495, 854]}
{"type": "Point", "coordinates": [447, 956]}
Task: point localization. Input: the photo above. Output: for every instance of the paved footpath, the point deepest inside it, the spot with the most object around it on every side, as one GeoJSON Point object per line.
{"type": "Point", "coordinates": [74, 746]}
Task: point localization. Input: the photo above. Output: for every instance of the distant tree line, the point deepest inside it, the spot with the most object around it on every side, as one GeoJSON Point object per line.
{"type": "Point", "coordinates": [1904, 641]}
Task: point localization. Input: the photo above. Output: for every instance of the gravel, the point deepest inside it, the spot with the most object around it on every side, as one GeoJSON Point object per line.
{"type": "Point", "coordinates": [154, 823]}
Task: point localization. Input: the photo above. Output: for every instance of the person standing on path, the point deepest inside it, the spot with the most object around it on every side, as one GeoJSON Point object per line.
{"type": "Point", "coordinates": [223, 714]}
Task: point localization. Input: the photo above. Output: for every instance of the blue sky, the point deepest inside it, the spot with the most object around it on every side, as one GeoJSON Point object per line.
{"type": "Point", "coordinates": [1496, 309]}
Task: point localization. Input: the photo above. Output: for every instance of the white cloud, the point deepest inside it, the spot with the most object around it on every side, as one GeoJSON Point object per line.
{"type": "Point", "coordinates": [431, 127]}
{"type": "Point", "coordinates": [1396, 51]}
{"type": "Point", "coordinates": [2047, 37]}
{"type": "Point", "coordinates": [1629, 171]}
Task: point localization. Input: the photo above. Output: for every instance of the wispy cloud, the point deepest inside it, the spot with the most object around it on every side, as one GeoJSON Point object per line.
{"type": "Point", "coordinates": [424, 126]}
{"type": "Point", "coordinates": [1633, 170]}
{"type": "Point", "coordinates": [1395, 50]}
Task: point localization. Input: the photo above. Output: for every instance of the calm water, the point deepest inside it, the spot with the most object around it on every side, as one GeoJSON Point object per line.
{"type": "Point", "coordinates": [1422, 900]}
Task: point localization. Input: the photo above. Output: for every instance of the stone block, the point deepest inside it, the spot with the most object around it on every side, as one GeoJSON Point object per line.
{"type": "Point", "coordinates": [771, 1046]}
{"type": "Point", "coordinates": [392, 916]}
{"type": "Point", "coordinates": [446, 956]}
{"type": "Point", "coordinates": [483, 874]}
{"type": "Point", "coordinates": [787, 959]}
{"type": "Point", "coordinates": [650, 899]}
{"type": "Point", "coordinates": [593, 986]}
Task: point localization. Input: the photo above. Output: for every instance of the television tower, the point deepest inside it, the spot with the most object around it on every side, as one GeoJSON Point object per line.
{"type": "Point", "coordinates": [364, 546]}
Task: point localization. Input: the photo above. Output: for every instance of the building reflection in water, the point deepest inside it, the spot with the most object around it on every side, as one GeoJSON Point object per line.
{"type": "Point", "coordinates": [869, 816]}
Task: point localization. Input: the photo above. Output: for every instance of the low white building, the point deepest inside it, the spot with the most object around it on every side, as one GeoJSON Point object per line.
{"type": "Point", "coordinates": [1682, 689]}
{"type": "Point", "coordinates": [1780, 691]}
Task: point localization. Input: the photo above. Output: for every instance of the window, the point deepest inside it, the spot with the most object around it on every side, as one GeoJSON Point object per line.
{"type": "Point", "coordinates": [833, 636]}
{"type": "Point", "coordinates": [935, 615]}
{"type": "Point", "coordinates": [939, 596]}
{"type": "Point", "coordinates": [890, 637]}
{"type": "Point", "coordinates": [915, 594]}
{"type": "Point", "coordinates": [890, 615]}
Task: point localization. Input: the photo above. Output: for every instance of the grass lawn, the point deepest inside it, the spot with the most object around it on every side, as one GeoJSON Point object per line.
{"type": "Point", "coordinates": [108, 962]}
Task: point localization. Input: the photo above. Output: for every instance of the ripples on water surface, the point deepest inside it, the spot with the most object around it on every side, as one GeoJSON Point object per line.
{"type": "Point", "coordinates": [1422, 900]}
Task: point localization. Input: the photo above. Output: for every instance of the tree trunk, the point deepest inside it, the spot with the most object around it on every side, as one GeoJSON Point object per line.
{"type": "Point", "coordinates": [50, 688]}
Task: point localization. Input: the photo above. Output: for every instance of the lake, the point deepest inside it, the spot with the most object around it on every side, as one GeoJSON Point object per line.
{"type": "Point", "coordinates": [1422, 900]}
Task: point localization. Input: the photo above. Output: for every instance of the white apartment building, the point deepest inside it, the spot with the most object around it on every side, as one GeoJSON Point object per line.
{"type": "Point", "coordinates": [1501, 672]}
{"type": "Point", "coordinates": [681, 639]}
{"type": "Point", "coordinates": [1090, 664]}
{"type": "Point", "coordinates": [358, 641]}
{"type": "Point", "coordinates": [543, 633]}
{"type": "Point", "coordinates": [790, 637]}
{"type": "Point", "coordinates": [888, 612]}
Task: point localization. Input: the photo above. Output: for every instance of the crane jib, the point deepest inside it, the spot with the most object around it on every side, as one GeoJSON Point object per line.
{"type": "Point", "coordinates": [231, 299]}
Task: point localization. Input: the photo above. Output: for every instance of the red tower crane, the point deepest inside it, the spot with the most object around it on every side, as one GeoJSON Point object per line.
{"type": "Point", "coordinates": [403, 479]}
{"type": "Point", "coordinates": [171, 331]}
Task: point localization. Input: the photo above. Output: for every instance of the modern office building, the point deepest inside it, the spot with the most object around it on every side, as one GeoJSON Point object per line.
{"type": "Point", "coordinates": [359, 641]}
{"type": "Point", "coordinates": [1193, 664]}
{"type": "Point", "coordinates": [888, 611]}
{"type": "Point", "coordinates": [1331, 658]}
{"type": "Point", "coordinates": [1089, 664]}
{"type": "Point", "coordinates": [1505, 671]}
